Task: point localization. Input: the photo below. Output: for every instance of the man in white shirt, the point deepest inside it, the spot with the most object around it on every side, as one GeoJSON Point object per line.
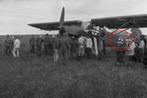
{"type": "Point", "coordinates": [88, 49]}
{"type": "Point", "coordinates": [81, 50]}
{"type": "Point", "coordinates": [131, 51]}
{"type": "Point", "coordinates": [142, 44]}
{"type": "Point", "coordinates": [16, 47]}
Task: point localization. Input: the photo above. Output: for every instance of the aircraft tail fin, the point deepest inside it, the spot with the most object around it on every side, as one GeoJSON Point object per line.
{"type": "Point", "coordinates": [62, 18]}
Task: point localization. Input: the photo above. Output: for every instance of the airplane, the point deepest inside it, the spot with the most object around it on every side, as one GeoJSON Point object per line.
{"type": "Point", "coordinates": [73, 27]}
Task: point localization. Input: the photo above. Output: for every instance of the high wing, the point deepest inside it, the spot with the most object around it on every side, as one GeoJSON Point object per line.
{"type": "Point", "coordinates": [134, 21]}
{"type": "Point", "coordinates": [55, 25]}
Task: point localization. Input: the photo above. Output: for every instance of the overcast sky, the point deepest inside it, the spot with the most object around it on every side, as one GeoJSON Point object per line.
{"type": "Point", "coordinates": [16, 14]}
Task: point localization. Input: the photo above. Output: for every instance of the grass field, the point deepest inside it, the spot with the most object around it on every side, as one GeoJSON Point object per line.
{"type": "Point", "coordinates": [31, 76]}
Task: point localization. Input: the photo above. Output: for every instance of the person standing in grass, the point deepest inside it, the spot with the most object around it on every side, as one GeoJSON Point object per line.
{"type": "Point", "coordinates": [32, 44]}
{"type": "Point", "coordinates": [50, 46]}
{"type": "Point", "coordinates": [120, 53]}
{"type": "Point", "coordinates": [39, 42]}
{"type": "Point", "coordinates": [88, 49]}
{"type": "Point", "coordinates": [136, 50]}
{"type": "Point", "coordinates": [141, 48]}
{"type": "Point", "coordinates": [74, 47]}
{"type": "Point", "coordinates": [64, 49]}
{"type": "Point", "coordinates": [131, 50]}
{"type": "Point", "coordinates": [145, 58]}
{"type": "Point", "coordinates": [56, 46]}
{"type": "Point", "coordinates": [82, 43]}
{"type": "Point", "coordinates": [7, 44]}
{"type": "Point", "coordinates": [100, 48]}
{"type": "Point", "coordinates": [16, 47]}
{"type": "Point", "coordinates": [46, 44]}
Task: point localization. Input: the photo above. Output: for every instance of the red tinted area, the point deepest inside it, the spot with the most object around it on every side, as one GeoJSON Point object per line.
{"type": "Point", "coordinates": [112, 39]}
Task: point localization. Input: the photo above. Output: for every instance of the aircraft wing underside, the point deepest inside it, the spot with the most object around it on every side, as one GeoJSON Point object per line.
{"type": "Point", "coordinates": [134, 21]}
{"type": "Point", "coordinates": [54, 25]}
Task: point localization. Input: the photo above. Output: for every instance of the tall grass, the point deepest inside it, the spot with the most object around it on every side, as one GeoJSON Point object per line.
{"type": "Point", "coordinates": [31, 76]}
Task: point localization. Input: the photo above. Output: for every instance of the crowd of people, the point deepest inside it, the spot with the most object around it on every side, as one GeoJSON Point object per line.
{"type": "Point", "coordinates": [64, 47]}
{"type": "Point", "coordinates": [134, 48]}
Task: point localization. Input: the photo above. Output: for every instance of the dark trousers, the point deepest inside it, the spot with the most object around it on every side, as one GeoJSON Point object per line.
{"type": "Point", "coordinates": [88, 53]}
{"type": "Point", "coordinates": [32, 50]}
{"type": "Point", "coordinates": [101, 55]}
{"type": "Point", "coordinates": [46, 49]}
{"type": "Point", "coordinates": [50, 50]}
{"type": "Point", "coordinates": [7, 50]}
{"type": "Point", "coordinates": [63, 54]}
{"type": "Point", "coordinates": [145, 58]}
{"type": "Point", "coordinates": [145, 61]}
{"type": "Point", "coordinates": [141, 55]}
{"type": "Point", "coordinates": [131, 58]}
{"type": "Point", "coordinates": [104, 49]}
{"type": "Point", "coordinates": [120, 55]}
{"type": "Point", "coordinates": [39, 50]}
{"type": "Point", "coordinates": [136, 56]}
{"type": "Point", "coordinates": [73, 54]}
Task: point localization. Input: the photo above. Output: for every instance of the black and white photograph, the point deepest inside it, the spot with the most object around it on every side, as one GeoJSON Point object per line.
{"type": "Point", "coordinates": [73, 48]}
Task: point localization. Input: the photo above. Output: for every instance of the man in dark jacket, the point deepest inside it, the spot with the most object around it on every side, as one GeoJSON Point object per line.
{"type": "Point", "coordinates": [39, 42]}
{"type": "Point", "coordinates": [32, 44]}
{"type": "Point", "coordinates": [7, 44]}
{"type": "Point", "coordinates": [142, 44]}
{"type": "Point", "coordinates": [145, 58]}
{"type": "Point", "coordinates": [74, 47]}
{"type": "Point", "coordinates": [64, 49]}
{"type": "Point", "coordinates": [46, 42]}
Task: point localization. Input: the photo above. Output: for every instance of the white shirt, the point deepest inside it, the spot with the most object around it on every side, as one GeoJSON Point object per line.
{"type": "Point", "coordinates": [89, 43]}
{"type": "Point", "coordinates": [101, 45]}
{"type": "Point", "coordinates": [81, 40]}
{"type": "Point", "coordinates": [17, 43]}
{"type": "Point", "coordinates": [142, 44]}
{"type": "Point", "coordinates": [131, 49]}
